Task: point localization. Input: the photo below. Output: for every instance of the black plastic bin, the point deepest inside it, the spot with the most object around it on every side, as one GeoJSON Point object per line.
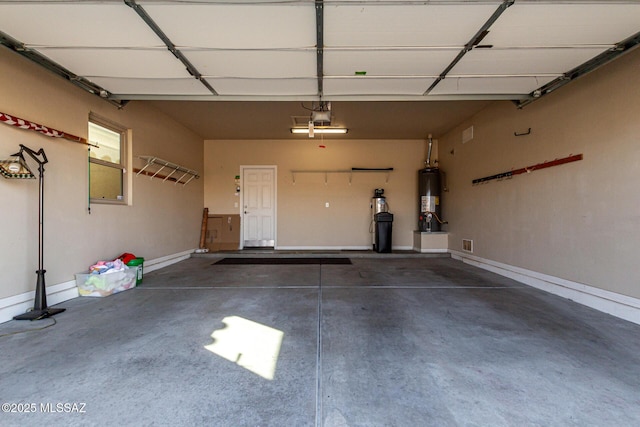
{"type": "Point", "coordinates": [384, 225]}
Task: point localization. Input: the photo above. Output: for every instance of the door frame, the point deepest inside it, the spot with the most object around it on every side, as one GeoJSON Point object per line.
{"type": "Point", "coordinates": [275, 201]}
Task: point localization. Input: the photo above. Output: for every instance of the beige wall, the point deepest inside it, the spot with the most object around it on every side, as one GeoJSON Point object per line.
{"type": "Point", "coordinates": [303, 219]}
{"type": "Point", "coordinates": [579, 221]}
{"type": "Point", "coordinates": [163, 219]}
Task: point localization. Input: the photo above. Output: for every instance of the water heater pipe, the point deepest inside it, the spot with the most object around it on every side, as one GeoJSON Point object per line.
{"type": "Point", "coordinates": [429, 151]}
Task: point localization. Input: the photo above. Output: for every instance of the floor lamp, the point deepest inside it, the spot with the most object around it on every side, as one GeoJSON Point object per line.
{"type": "Point", "coordinates": [17, 168]}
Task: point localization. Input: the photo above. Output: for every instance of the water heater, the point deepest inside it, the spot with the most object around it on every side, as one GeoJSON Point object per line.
{"type": "Point", "coordinates": [429, 192]}
{"type": "Point", "coordinates": [429, 187]}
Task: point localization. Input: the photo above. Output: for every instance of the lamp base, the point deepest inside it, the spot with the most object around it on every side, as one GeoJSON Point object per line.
{"type": "Point", "coordinates": [39, 314]}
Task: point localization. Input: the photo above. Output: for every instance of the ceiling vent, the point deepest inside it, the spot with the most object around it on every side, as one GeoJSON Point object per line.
{"type": "Point", "coordinates": [300, 121]}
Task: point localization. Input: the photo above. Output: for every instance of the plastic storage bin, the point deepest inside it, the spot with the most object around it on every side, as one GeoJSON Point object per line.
{"type": "Point", "coordinates": [137, 262]}
{"type": "Point", "coordinates": [102, 285]}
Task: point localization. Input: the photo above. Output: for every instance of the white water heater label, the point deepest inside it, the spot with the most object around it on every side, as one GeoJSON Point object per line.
{"type": "Point", "coordinates": [429, 203]}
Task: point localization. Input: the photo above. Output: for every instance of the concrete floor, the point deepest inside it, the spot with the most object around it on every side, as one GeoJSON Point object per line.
{"type": "Point", "coordinates": [395, 340]}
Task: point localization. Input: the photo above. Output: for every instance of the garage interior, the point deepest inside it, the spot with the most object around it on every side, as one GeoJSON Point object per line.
{"type": "Point", "coordinates": [521, 308]}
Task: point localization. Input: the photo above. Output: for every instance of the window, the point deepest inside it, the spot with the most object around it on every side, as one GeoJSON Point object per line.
{"type": "Point", "coordinates": [107, 162]}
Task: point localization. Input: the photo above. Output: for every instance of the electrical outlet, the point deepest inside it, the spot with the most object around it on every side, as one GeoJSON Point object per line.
{"type": "Point", "coordinates": [326, 205]}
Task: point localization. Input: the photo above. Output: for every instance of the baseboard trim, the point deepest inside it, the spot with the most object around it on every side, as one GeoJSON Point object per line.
{"type": "Point", "coordinates": [165, 261]}
{"type": "Point", "coordinates": [323, 248]}
{"type": "Point", "coordinates": [618, 305]}
{"type": "Point", "coordinates": [18, 304]}
{"type": "Point", "coordinates": [431, 251]}
{"type": "Point", "coordinates": [61, 292]}
{"type": "Point", "coordinates": [338, 248]}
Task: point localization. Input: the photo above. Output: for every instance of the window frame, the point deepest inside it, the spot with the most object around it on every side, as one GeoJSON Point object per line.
{"type": "Point", "coordinates": [122, 165]}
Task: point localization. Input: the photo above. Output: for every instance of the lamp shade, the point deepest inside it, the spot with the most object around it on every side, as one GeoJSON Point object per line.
{"type": "Point", "coordinates": [15, 168]}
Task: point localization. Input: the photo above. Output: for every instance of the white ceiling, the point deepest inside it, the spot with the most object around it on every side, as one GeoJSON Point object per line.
{"type": "Point", "coordinates": [265, 50]}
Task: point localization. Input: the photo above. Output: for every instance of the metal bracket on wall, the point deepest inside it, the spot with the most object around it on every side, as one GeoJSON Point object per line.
{"type": "Point", "coordinates": [156, 165]}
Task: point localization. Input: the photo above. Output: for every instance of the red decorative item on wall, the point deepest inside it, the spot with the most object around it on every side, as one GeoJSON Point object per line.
{"type": "Point", "coordinates": [28, 125]}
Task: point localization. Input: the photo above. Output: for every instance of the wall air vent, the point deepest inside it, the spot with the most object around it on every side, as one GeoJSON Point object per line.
{"type": "Point", "coordinates": [467, 134]}
{"type": "Point", "coordinates": [467, 245]}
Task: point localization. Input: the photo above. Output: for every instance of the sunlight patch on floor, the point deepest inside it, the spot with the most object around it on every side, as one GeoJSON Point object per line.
{"type": "Point", "coordinates": [253, 346]}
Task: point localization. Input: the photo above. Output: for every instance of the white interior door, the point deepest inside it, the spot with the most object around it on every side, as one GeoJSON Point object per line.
{"type": "Point", "coordinates": [259, 206]}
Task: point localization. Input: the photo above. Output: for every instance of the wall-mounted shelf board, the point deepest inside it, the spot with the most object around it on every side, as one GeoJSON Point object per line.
{"type": "Point", "coordinates": [349, 171]}
{"type": "Point", "coordinates": [165, 170]}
